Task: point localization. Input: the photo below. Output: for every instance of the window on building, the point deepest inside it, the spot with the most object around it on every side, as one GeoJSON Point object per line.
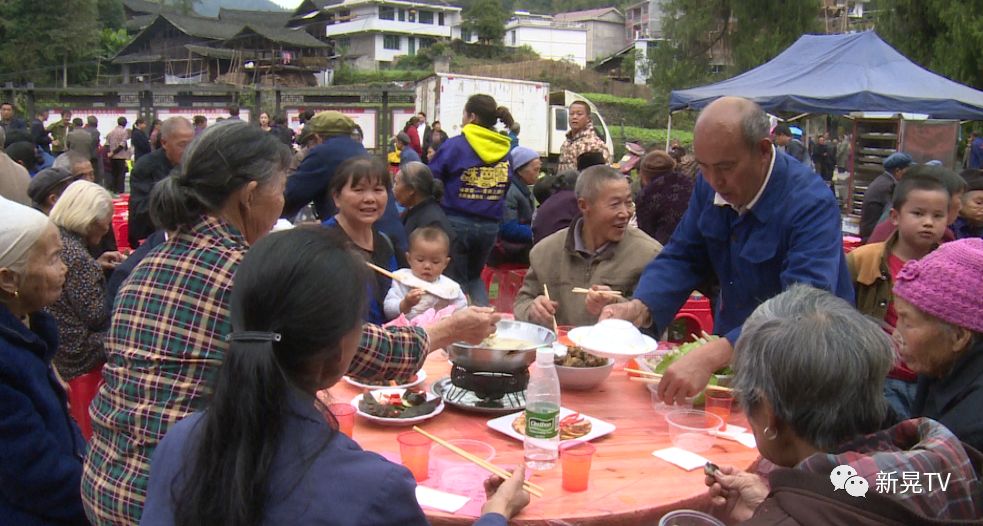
{"type": "Point", "coordinates": [513, 36]}
{"type": "Point", "coordinates": [344, 44]}
{"type": "Point", "coordinates": [387, 13]}
{"type": "Point", "coordinates": [390, 42]}
{"type": "Point", "coordinates": [401, 14]}
{"type": "Point", "coordinates": [426, 17]}
{"type": "Point", "coordinates": [440, 19]}
{"type": "Point", "coordinates": [427, 42]}
{"type": "Point", "coordinates": [466, 35]}
{"type": "Point", "coordinates": [412, 15]}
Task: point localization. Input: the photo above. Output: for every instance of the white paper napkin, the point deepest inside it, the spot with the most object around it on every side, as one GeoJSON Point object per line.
{"type": "Point", "coordinates": [440, 500]}
{"type": "Point", "coordinates": [738, 434]}
{"type": "Point", "coordinates": [680, 457]}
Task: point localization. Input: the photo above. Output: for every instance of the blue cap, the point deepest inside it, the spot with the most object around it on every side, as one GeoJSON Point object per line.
{"type": "Point", "coordinates": [796, 131]}
{"type": "Point", "coordinates": [522, 156]}
{"type": "Point", "coordinates": [897, 160]}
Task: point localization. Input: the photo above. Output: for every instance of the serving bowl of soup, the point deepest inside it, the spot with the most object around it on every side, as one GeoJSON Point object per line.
{"type": "Point", "coordinates": [511, 348]}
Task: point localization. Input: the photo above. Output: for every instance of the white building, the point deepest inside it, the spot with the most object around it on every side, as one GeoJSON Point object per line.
{"type": "Point", "coordinates": [373, 32]}
{"type": "Point", "coordinates": [551, 39]}
{"type": "Point", "coordinates": [605, 30]}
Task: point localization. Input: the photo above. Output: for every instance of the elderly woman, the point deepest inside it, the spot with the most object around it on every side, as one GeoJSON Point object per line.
{"type": "Point", "coordinates": [296, 322]}
{"type": "Point", "coordinates": [809, 372]}
{"type": "Point", "coordinates": [40, 446]}
{"type": "Point", "coordinates": [664, 197]}
{"type": "Point", "coordinates": [515, 232]}
{"type": "Point", "coordinates": [83, 216]}
{"type": "Point", "coordinates": [939, 300]}
{"type": "Point", "coordinates": [417, 190]}
{"type": "Point", "coordinates": [171, 316]}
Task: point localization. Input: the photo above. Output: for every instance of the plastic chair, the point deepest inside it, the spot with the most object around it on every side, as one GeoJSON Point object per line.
{"type": "Point", "coordinates": [495, 277]}
{"type": "Point", "coordinates": [121, 229]}
{"type": "Point", "coordinates": [693, 319]}
{"type": "Point", "coordinates": [509, 289]}
{"type": "Point", "coordinates": [83, 390]}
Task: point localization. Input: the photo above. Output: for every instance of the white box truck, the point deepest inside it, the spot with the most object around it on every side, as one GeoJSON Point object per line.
{"type": "Point", "coordinates": [542, 115]}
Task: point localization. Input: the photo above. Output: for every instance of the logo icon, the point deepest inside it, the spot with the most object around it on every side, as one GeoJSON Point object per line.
{"type": "Point", "coordinates": [845, 477]}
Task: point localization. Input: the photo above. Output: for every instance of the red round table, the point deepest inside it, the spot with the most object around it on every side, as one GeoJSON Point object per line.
{"type": "Point", "coordinates": [627, 484]}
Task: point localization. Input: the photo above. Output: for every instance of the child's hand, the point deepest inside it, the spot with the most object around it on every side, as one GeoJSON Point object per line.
{"type": "Point", "coordinates": [412, 298]}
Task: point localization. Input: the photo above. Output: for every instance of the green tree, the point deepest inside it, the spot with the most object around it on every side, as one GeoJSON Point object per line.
{"type": "Point", "coordinates": [753, 31]}
{"type": "Point", "coordinates": [941, 35]}
{"type": "Point", "coordinates": [111, 14]}
{"type": "Point", "coordinates": [486, 19]}
{"type": "Point", "coordinates": [41, 41]}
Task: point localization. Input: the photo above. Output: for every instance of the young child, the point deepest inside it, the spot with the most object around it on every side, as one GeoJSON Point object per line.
{"type": "Point", "coordinates": [970, 222]}
{"type": "Point", "coordinates": [428, 257]}
{"type": "Point", "coordinates": [919, 211]}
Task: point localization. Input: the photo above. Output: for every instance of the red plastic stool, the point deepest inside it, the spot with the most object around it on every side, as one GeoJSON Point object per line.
{"type": "Point", "coordinates": [494, 279]}
{"type": "Point", "coordinates": [121, 229]}
{"type": "Point", "coordinates": [83, 390]}
{"type": "Point", "coordinates": [694, 318]}
{"type": "Point", "coordinates": [509, 289]}
{"type": "Point", "coordinates": [850, 243]}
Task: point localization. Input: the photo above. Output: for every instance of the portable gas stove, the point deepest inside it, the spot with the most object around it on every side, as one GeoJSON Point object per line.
{"type": "Point", "coordinates": [482, 391]}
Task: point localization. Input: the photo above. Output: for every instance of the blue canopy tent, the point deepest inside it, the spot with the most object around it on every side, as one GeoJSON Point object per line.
{"type": "Point", "coordinates": [839, 74]}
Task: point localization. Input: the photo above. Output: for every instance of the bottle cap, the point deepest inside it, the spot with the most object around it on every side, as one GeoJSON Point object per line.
{"type": "Point", "coordinates": [544, 356]}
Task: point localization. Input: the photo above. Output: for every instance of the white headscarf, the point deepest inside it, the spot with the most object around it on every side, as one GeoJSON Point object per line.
{"type": "Point", "coordinates": [20, 228]}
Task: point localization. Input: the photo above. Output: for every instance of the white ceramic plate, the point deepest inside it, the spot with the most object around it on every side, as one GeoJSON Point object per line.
{"type": "Point", "coordinates": [421, 375]}
{"type": "Point", "coordinates": [579, 337]}
{"type": "Point", "coordinates": [397, 422]}
{"type": "Point", "coordinates": [599, 428]}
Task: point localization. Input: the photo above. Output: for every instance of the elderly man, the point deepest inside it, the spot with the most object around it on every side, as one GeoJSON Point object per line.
{"type": "Point", "coordinates": [757, 222]}
{"type": "Point", "coordinates": [47, 186]}
{"type": "Point", "coordinates": [330, 133]}
{"type": "Point", "coordinates": [175, 135]}
{"type": "Point", "coordinates": [77, 163]}
{"type": "Point", "coordinates": [880, 191]}
{"type": "Point", "coordinates": [599, 251]}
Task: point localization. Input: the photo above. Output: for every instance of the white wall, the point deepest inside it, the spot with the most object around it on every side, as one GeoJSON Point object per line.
{"type": "Point", "coordinates": [551, 42]}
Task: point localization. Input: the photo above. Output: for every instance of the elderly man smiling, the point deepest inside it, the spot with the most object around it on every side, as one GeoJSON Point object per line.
{"type": "Point", "coordinates": [599, 250]}
{"type": "Point", "coordinates": [757, 222]}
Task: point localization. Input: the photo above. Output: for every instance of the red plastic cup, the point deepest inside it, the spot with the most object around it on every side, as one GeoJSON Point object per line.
{"type": "Point", "coordinates": [575, 458]}
{"type": "Point", "coordinates": [414, 450]}
{"type": "Point", "coordinates": [345, 415]}
{"type": "Point", "coordinates": [561, 335]}
{"type": "Point", "coordinates": [719, 403]}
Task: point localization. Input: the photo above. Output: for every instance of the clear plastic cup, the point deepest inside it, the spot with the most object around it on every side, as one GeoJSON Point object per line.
{"type": "Point", "coordinates": [693, 430]}
{"type": "Point", "coordinates": [689, 518]}
{"type": "Point", "coordinates": [719, 403]}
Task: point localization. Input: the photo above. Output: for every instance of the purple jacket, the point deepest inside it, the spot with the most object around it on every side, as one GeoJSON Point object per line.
{"type": "Point", "coordinates": [475, 170]}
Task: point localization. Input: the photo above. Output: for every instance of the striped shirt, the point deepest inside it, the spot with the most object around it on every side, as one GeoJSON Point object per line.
{"type": "Point", "coordinates": [164, 349]}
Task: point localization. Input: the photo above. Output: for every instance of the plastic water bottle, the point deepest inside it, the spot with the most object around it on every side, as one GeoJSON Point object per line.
{"type": "Point", "coordinates": [542, 413]}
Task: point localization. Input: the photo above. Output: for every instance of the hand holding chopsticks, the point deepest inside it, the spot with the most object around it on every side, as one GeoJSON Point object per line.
{"type": "Point", "coordinates": [546, 292]}
{"type": "Point", "coordinates": [533, 489]}
{"type": "Point", "coordinates": [648, 377]}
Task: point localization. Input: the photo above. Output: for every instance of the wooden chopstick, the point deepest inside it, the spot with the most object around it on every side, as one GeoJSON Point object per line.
{"type": "Point", "coordinates": [581, 290]}
{"type": "Point", "coordinates": [546, 292]}
{"type": "Point", "coordinates": [656, 379]}
{"type": "Point", "coordinates": [643, 373]}
{"type": "Point", "coordinates": [383, 271]}
{"type": "Point", "coordinates": [492, 468]}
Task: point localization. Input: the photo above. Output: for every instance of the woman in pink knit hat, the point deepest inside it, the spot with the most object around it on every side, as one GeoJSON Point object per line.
{"type": "Point", "coordinates": [939, 300]}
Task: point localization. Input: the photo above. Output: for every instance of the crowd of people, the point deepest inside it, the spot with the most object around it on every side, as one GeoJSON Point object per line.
{"type": "Point", "coordinates": [212, 338]}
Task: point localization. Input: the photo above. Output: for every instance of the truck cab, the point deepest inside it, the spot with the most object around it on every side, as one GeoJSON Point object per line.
{"type": "Point", "coordinates": [560, 101]}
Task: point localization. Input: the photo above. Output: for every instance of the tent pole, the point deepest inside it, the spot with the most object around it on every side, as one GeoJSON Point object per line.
{"type": "Point", "coordinates": [668, 131]}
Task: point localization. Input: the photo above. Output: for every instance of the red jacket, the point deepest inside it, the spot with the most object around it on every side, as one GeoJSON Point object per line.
{"type": "Point", "coordinates": [414, 139]}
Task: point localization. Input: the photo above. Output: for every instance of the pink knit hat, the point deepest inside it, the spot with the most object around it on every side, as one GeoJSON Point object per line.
{"type": "Point", "coordinates": [948, 283]}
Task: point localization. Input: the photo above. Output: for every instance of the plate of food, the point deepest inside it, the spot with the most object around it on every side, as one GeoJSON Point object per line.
{"type": "Point", "coordinates": [573, 426]}
{"type": "Point", "coordinates": [397, 407]}
{"type": "Point", "coordinates": [399, 383]}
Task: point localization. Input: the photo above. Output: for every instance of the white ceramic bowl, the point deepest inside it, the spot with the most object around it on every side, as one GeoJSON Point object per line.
{"type": "Point", "coordinates": [583, 378]}
{"type": "Point", "coordinates": [693, 430]}
{"type": "Point", "coordinates": [618, 339]}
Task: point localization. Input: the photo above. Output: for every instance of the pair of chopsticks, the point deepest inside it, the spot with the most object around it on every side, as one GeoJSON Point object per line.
{"type": "Point", "coordinates": [427, 287]}
{"type": "Point", "coordinates": [581, 290]}
{"type": "Point", "coordinates": [546, 292]}
{"type": "Point", "coordinates": [533, 489]}
{"type": "Point", "coordinates": [654, 378]}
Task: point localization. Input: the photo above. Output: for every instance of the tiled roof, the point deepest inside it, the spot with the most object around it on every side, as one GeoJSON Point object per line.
{"type": "Point", "coordinates": [265, 18]}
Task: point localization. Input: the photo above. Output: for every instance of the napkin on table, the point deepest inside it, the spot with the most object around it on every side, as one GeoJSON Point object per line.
{"type": "Point", "coordinates": [680, 457]}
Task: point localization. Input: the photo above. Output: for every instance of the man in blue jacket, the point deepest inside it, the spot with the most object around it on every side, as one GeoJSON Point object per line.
{"type": "Point", "coordinates": [757, 222]}
{"type": "Point", "coordinates": [331, 132]}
